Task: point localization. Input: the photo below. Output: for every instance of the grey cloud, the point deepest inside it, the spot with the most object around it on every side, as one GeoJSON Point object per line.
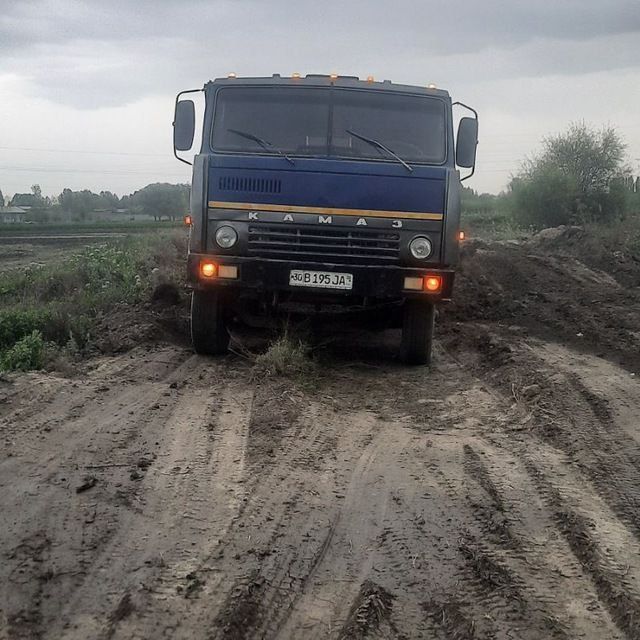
{"type": "Point", "coordinates": [440, 25]}
{"type": "Point", "coordinates": [90, 54]}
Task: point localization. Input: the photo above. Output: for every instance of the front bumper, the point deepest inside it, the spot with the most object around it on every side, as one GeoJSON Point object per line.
{"type": "Point", "coordinates": [268, 275]}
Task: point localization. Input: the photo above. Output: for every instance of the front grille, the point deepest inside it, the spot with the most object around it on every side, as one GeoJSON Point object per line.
{"type": "Point", "coordinates": [310, 243]}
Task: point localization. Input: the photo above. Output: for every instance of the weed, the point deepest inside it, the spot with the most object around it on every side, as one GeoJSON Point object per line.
{"type": "Point", "coordinates": [286, 356]}
{"type": "Point", "coordinates": [26, 354]}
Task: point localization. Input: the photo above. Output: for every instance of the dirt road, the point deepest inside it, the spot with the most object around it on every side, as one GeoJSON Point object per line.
{"type": "Point", "coordinates": [158, 494]}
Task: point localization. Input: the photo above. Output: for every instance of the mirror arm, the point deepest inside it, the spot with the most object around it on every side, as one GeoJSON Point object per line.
{"type": "Point", "coordinates": [175, 153]}
{"type": "Point", "coordinates": [466, 106]}
{"type": "Point", "coordinates": [473, 170]}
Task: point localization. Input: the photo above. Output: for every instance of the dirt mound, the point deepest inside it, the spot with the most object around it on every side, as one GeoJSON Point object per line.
{"type": "Point", "coordinates": [126, 326]}
{"type": "Point", "coordinates": [613, 249]}
{"type": "Point", "coordinates": [554, 297]}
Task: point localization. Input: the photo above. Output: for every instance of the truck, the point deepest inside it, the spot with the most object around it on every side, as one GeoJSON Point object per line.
{"type": "Point", "coordinates": [322, 192]}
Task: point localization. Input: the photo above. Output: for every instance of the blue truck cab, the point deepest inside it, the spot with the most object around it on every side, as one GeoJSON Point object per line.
{"type": "Point", "coordinates": [322, 191]}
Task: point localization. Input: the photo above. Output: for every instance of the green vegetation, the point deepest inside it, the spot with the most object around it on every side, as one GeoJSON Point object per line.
{"type": "Point", "coordinates": [580, 177]}
{"type": "Point", "coordinates": [162, 200]}
{"type": "Point", "coordinates": [56, 307]}
{"type": "Point", "coordinates": [25, 354]}
{"type": "Point", "coordinates": [286, 356]}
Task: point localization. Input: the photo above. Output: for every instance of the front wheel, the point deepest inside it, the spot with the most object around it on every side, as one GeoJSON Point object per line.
{"type": "Point", "coordinates": [417, 331]}
{"type": "Point", "coordinates": [209, 334]}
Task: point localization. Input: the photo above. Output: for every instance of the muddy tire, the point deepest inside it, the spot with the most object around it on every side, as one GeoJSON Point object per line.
{"type": "Point", "coordinates": [209, 334]}
{"type": "Point", "coordinates": [417, 332]}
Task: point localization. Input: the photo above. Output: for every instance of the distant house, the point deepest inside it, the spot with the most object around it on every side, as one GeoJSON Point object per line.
{"type": "Point", "coordinates": [24, 201]}
{"type": "Point", "coordinates": [10, 215]}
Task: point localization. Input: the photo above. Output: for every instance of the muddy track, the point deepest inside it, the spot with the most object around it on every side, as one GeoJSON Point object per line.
{"type": "Point", "coordinates": [157, 494]}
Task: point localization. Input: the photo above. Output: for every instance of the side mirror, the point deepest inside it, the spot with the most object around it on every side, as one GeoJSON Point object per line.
{"type": "Point", "coordinates": [467, 142]}
{"type": "Point", "coordinates": [184, 125]}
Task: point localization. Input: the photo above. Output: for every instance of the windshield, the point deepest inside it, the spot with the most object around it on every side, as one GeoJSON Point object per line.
{"type": "Point", "coordinates": [303, 121]}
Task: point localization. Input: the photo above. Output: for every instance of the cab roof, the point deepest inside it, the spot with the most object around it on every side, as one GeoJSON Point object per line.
{"type": "Point", "coordinates": [318, 80]}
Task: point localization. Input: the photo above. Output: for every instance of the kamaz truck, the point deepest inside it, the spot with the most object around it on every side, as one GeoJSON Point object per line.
{"type": "Point", "coordinates": [322, 192]}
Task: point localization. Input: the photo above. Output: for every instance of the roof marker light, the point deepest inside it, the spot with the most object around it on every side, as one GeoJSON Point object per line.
{"type": "Point", "coordinates": [431, 86]}
{"type": "Point", "coordinates": [232, 75]}
{"type": "Point", "coordinates": [334, 76]}
{"type": "Point", "coordinates": [370, 79]}
{"type": "Point", "coordinates": [296, 75]}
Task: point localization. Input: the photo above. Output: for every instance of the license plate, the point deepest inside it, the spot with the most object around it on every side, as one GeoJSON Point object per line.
{"type": "Point", "coordinates": [322, 279]}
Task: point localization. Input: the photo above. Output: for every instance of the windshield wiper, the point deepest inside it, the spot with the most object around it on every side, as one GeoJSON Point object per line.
{"type": "Point", "coordinates": [379, 145]}
{"type": "Point", "coordinates": [265, 144]}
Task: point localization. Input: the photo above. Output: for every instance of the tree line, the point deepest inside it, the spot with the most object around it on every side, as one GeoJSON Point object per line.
{"type": "Point", "coordinates": [159, 200]}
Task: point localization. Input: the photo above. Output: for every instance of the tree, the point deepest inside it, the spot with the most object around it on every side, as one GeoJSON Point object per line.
{"type": "Point", "coordinates": [1, 199]}
{"type": "Point", "coordinates": [162, 200]}
{"type": "Point", "coordinates": [109, 200]}
{"type": "Point", "coordinates": [578, 177]}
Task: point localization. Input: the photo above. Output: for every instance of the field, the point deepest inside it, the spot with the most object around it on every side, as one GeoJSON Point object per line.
{"type": "Point", "coordinates": [147, 492]}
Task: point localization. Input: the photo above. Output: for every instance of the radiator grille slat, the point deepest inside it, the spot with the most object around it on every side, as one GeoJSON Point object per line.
{"type": "Point", "coordinates": [306, 243]}
{"type": "Point", "coordinates": [253, 185]}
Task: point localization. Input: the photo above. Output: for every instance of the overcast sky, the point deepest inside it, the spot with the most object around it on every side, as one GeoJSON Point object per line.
{"type": "Point", "coordinates": [87, 88]}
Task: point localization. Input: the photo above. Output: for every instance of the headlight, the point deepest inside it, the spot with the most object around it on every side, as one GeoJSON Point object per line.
{"type": "Point", "coordinates": [226, 237]}
{"type": "Point", "coordinates": [420, 248]}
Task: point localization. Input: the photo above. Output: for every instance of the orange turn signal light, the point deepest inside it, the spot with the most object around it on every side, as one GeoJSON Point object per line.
{"type": "Point", "coordinates": [208, 269]}
{"type": "Point", "coordinates": [461, 235]}
{"type": "Point", "coordinates": [432, 284]}
{"type": "Point", "coordinates": [188, 221]}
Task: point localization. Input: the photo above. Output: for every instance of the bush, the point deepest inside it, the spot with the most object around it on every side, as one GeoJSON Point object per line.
{"type": "Point", "coordinates": [15, 324]}
{"type": "Point", "coordinates": [26, 354]}
{"type": "Point", "coordinates": [579, 177]}
{"type": "Point", "coordinates": [546, 198]}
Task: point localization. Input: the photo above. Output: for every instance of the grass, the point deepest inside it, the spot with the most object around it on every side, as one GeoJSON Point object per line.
{"type": "Point", "coordinates": [45, 309]}
{"type": "Point", "coordinates": [491, 225]}
{"type": "Point", "coordinates": [288, 356]}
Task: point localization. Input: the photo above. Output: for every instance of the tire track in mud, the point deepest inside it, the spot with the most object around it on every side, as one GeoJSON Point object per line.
{"type": "Point", "coordinates": [337, 592]}
{"type": "Point", "coordinates": [370, 611]}
{"type": "Point", "coordinates": [493, 516]}
{"type": "Point", "coordinates": [484, 585]}
{"type": "Point", "coordinates": [614, 461]}
{"type": "Point", "coordinates": [507, 594]}
{"type": "Point", "coordinates": [607, 452]}
{"type": "Point", "coordinates": [618, 594]}
{"type": "Point", "coordinates": [570, 416]}
{"type": "Point", "coordinates": [294, 524]}
{"type": "Point", "coordinates": [197, 493]}
{"type": "Point", "coordinates": [582, 425]}
{"type": "Point", "coordinates": [99, 526]}
{"type": "Point", "coordinates": [50, 466]}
